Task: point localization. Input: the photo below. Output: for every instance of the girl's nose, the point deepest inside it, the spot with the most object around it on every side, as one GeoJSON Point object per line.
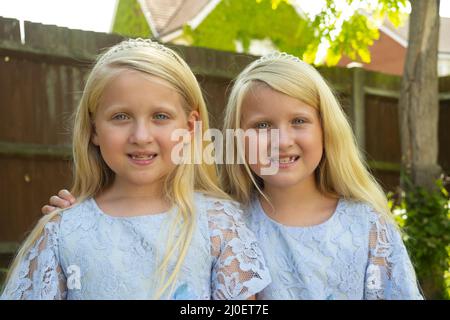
{"type": "Point", "coordinates": [142, 133]}
{"type": "Point", "coordinates": [286, 138]}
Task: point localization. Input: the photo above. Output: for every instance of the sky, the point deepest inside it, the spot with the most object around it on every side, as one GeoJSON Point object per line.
{"type": "Point", "coordinates": [96, 15]}
{"type": "Point", "coordinates": [90, 15]}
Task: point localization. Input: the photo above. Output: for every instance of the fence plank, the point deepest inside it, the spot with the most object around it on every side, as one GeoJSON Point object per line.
{"type": "Point", "coordinates": [23, 150]}
{"type": "Point", "coordinates": [9, 29]}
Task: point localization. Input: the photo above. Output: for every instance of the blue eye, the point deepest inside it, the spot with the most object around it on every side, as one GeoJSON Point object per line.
{"type": "Point", "coordinates": [160, 116]}
{"type": "Point", "coordinates": [298, 121]}
{"type": "Point", "coordinates": [262, 125]}
{"type": "Point", "coordinates": [120, 116]}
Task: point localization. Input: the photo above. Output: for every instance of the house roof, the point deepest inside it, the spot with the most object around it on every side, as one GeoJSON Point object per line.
{"type": "Point", "coordinates": [166, 16]}
{"type": "Point", "coordinates": [401, 34]}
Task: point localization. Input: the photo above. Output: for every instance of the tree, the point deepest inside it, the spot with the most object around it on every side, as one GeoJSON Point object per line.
{"type": "Point", "coordinates": [245, 20]}
{"type": "Point", "coordinates": [419, 118]}
{"type": "Point", "coordinates": [351, 29]}
{"type": "Point", "coordinates": [335, 30]}
{"type": "Point", "coordinates": [130, 21]}
{"type": "Point", "coordinates": [419, 104]}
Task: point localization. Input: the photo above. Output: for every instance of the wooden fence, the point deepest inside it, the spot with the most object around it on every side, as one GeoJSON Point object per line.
{"type": "Point", "coordinates": [41, 79]}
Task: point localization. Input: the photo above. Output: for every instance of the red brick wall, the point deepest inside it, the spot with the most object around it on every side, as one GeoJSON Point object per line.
{"type": "Point", "coordinates": [387, 55]}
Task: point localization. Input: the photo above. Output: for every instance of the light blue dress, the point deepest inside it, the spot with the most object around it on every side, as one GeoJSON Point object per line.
{"type": "Point", "coordinates": [87, 254]}
{"type": "Point", "coordinates": [355, 254]}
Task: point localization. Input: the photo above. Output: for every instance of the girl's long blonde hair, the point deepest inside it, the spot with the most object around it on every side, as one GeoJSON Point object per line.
{"type": "Point", "coordinates": [342, 171]}
{"type": "Point", "coordinates": [92, 175]}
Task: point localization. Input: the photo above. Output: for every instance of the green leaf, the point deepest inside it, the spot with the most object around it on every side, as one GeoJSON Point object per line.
{"type": "Point", "coordinates": [364, 53]}
{"type": "Point", "coordinates": [130, 21]}
{"type": "Point", "coordinates": [333, 57]}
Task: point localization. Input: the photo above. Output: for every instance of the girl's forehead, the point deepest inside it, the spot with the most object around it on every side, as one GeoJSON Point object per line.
{"type": "Point", "coordinates": [131, 85]}
{"type": "Point", "coordinates": [263, 100]}
{"type": "Point", "coordinates": [131, 78]}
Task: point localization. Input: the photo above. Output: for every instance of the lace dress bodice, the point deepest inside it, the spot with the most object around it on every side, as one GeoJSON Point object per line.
{"type": "Point", "coordinates": [355, 254]}
{"type": "Point", "coordinates": [84, 253]}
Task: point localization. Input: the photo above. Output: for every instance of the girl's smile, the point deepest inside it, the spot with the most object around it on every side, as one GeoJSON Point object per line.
{"type": "Point", "coordinates": [142, 158]}
{"type": "Point", "coordinates": [286, 161]}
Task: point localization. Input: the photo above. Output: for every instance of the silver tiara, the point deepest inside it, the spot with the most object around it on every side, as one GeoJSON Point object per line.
{"type": "Point", "coordinates": [277, 55]}
{"type": "Point", "coordinates": [135, 43]}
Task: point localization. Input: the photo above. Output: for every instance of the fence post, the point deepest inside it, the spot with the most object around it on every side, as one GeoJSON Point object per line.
{"type": "Point", "coordinates": [358, 107]}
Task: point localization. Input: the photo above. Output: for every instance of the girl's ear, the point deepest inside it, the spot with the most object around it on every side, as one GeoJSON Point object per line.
{"type": "Point", "coordinates": [192, 118]}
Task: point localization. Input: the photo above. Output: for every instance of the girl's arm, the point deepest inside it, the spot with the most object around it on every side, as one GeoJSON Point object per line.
{"type": "Point", "coordinates": [389, 274]}
{"type": "Point", "coordinates": [38, 275]}
{"type": "Point", "coordinates": [63, 200]}
{"type": "Point", "coordinates": [239, 270]}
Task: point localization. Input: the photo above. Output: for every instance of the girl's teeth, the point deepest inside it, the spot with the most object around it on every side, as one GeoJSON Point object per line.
{"type": "Point", "coordinates": [142, 157]}
{"type": "Point", "coordinates": [286, 160]}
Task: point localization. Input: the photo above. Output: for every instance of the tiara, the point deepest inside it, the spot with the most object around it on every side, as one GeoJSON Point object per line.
{"type": "Point", "coordinates": [135, 43]}
{"type": "Point", "coordinates": [277, 55]}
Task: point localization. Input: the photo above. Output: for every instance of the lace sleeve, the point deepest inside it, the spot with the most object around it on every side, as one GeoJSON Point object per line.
{"type": "Point", "coordinates": [389, 274]}
{"type": "Point", "coordinates": [239, 270]}
{"type": "Point", "coordinates": [39, 276]}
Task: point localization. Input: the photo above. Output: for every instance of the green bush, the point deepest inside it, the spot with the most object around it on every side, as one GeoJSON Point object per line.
{"type": "Point", "coordinates": [425, 220]}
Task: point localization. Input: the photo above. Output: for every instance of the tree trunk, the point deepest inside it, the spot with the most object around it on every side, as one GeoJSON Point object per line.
{"type": "Point", "coordinates": [419, 115]}
{"type": "Point", "coordinates": [419, 102]}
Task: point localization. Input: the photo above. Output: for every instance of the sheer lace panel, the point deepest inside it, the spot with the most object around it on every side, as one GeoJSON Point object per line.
{"type": "Point", "coordinates": [39, 275]}
{"type": "Point", "coordinates": [239, 269]}
{"type": "Point", "coordinates": [389, 273]}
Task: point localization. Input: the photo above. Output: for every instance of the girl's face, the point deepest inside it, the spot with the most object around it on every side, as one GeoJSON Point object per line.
{"type": "Point", "coordinates": [133, 125]}
{"type": "Point", "coordinates": [300, 134]}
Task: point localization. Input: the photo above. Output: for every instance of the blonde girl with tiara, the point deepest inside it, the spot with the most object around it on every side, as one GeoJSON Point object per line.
{"type": "Point", "coordinates": [143, 227]}
{"type": "Point", "coordinates": [322, 220]}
